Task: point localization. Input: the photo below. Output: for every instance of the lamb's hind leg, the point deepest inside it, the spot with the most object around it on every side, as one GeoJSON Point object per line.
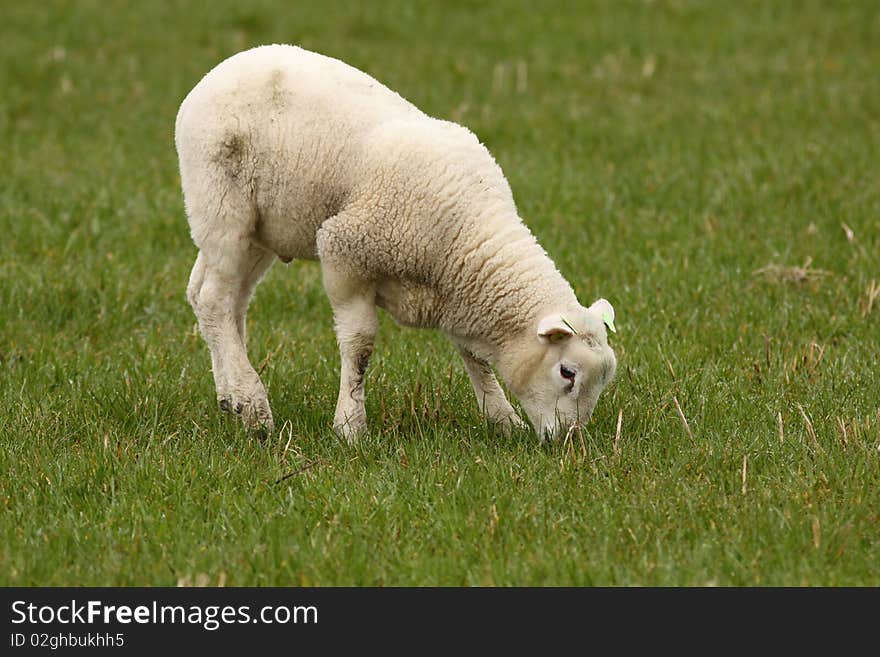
{"type": "Point", "coordinates": [220, 286]}
{"type": "Point", "coordinates": [260, 266]}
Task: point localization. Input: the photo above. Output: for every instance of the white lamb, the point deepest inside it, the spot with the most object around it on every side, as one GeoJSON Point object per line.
{"type": "Point", "coordinates": [290, 154]}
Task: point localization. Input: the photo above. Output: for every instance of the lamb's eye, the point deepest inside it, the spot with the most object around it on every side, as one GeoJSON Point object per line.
{"type": "Point", "coordinates": [569, 375]}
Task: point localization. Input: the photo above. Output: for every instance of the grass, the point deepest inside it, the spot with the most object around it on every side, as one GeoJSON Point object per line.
{"type": "Point", "coordinates": [709, 167]}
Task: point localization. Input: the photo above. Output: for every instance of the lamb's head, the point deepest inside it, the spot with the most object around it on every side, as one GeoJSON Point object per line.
{"type": "Point", "coordinates": [562, 367]}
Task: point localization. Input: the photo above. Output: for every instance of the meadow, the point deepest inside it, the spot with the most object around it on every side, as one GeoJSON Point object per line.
{"type": "Point", "coordinates": [709, 167]}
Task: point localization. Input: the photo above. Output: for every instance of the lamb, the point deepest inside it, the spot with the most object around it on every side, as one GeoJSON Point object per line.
{"type": "Point", "coordinates": [286, 153]}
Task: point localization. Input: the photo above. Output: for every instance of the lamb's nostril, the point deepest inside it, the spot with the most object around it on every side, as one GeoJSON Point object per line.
{"type": "Point", "coordinates": [224, 405]}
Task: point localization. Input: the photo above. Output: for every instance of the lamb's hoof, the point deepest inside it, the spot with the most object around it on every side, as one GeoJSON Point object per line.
{"type": "Point", "coordinates": [263, 431]}
{"type": "Point", "coordinates": [254, 413]}
{"type": "Point", "coordinates": [350, 430]}
{"type": "Point", "coordinates": [509, 423]}
{"type": "Point", "coordinates": [257, 416]}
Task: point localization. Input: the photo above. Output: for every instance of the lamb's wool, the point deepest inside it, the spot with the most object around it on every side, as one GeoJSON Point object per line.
{"type": "Point", "coordinates": [287, 152]}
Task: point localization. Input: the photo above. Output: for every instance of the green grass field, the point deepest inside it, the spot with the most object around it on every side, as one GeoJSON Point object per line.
{"type": "Point", "coordinates": [710, 167]}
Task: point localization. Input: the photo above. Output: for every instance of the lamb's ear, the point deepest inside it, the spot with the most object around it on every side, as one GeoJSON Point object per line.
{"type": "Point", "coordinates": [554, 328]}
{"type": "Point", "coordinates": [605, 310]}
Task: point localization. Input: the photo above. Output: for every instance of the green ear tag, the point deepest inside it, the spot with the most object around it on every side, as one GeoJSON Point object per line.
{"type": "Point", "coordinates": [609, 321]}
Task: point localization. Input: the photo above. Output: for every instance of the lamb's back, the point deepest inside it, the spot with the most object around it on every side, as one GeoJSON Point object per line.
{"type": "Point", "coordinates": [291, 85]}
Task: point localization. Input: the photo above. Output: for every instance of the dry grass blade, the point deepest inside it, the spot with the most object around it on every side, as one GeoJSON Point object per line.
{"type": "Point", "coordinates": [789, 274]}
{"type": "Point", "coordinates": [498, 75]}
{"type": "Point", "coordinates": [494, 517]}
{"type": "Point", "coordinates": [811, 432]}
{"type": "Point", "coordinates": [298, 471]}
{"type": "Point", "coordinates": [779, 424]}
{"type": "Point", "coordinates": [617, 433]}
{"type": "Point", "coordinates": [569, 444]}
{"type": "Point", "coordinates": [871, 295]}
{"type": "Point", "coordinates": [265, 362]}
{"type": "Point", "coordinates": [522, 77]}
{"type": "Point", "coordinates": [850, 235]}
{"type": "Point", "coordinates": [841, 426]}
{"type": "Point", "coordinates": [289, 427]}
{"type": "Point", "coordinates": [745, 469]}
{"type": "Point", "coordinates": [683, 419]}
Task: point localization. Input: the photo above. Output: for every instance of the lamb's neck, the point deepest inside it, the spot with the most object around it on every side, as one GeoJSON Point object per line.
{"type": "Point", "coordinates": [510, 283]}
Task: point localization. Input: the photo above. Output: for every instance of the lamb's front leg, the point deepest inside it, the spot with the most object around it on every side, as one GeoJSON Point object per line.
{"type": "Point", "coordinates": [493, 403]}
{"type": "Point", "coordinates": [354, 312]}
